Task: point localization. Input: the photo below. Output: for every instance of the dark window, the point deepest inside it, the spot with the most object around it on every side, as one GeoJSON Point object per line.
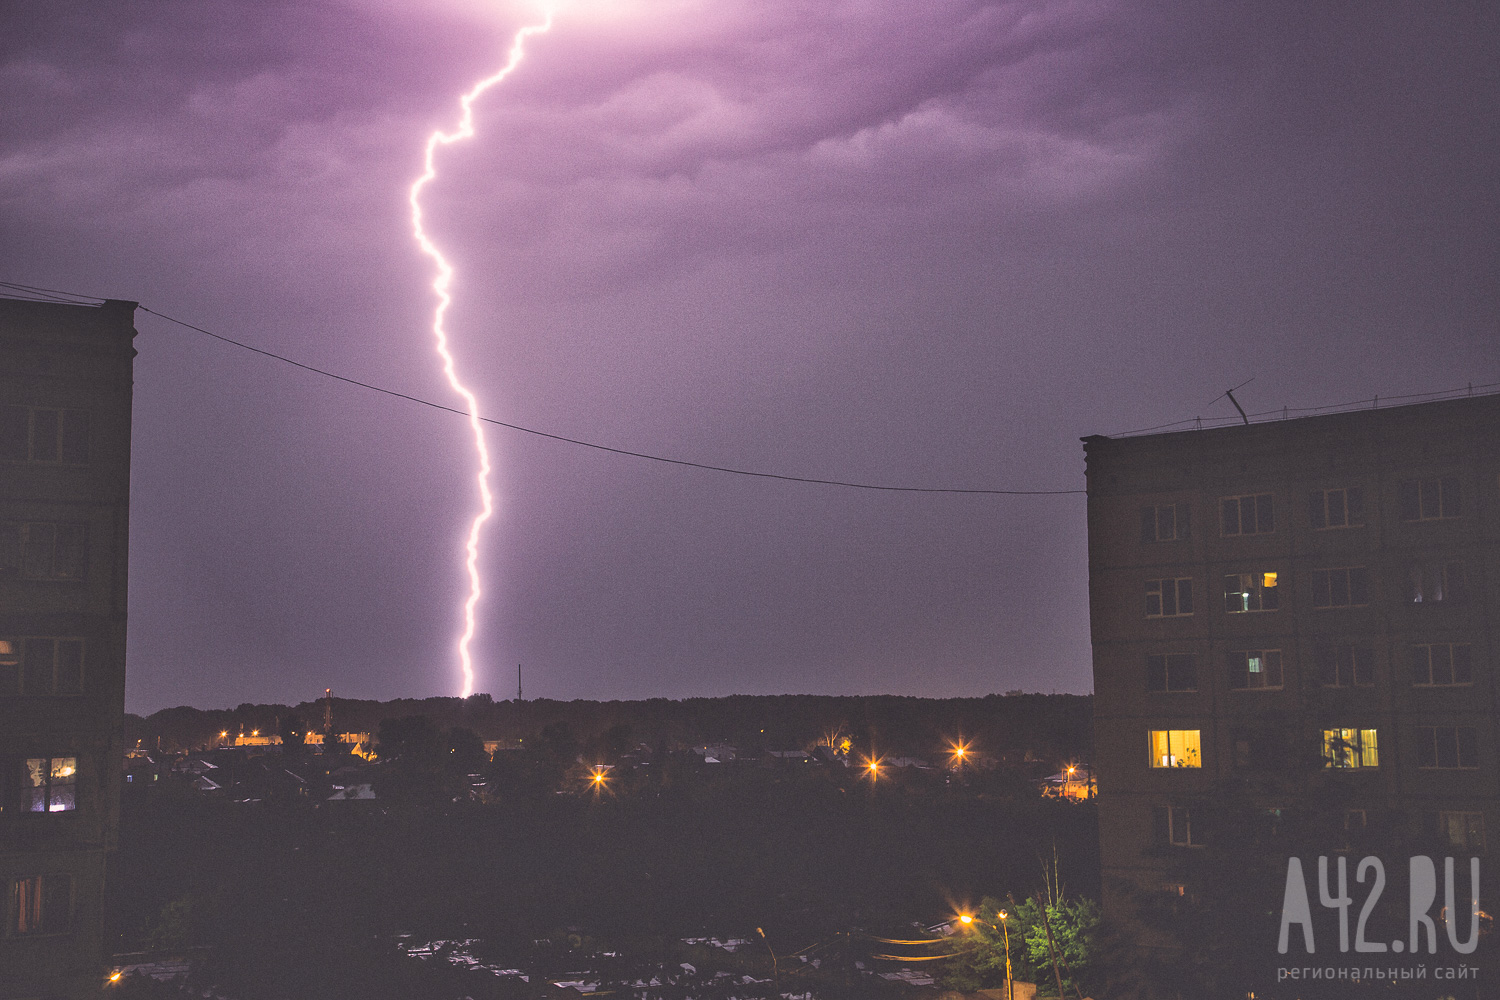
{"type": "Point", "coordinates": [1344, 665]}
{"type": "Point", "coordinates": [1341, 588]}
{"type": "Point", "coordinates": [75, 437]}
{"type": "Point", "coordinates": [1441, 665]}
{"type": "Point", "coordinates": [15, 433]}
{"type": "Point", "coordinates": [1166, 522]}
{"type": "Point", "coordinates": [43, 551]}
{"type": "Point", "coordinates": [1177, 672]}
{"type": "Point", "coordinates": [42, 904]}
{"type": "Point", "coordinates": [1169, 598]}
{"type": "Point", "coordinates": [1463, 830]}
{"type": "Point", "coordinates": [1253, 669]}
{"type": "Point", "coordinates": [1447, 747]}
{"type": "Point", "coordinates": [1248, 515]}
{"type": "Point", "coordinates": [1430, 499]}
{"type": "Point", "coordinates": [1180, 828]}
{"type": "Point", "coordinates": [46, 426]}
{"type": "Point", "coordinates": [1339, 508]}
{"type": "Point", "coordinates": [1251, 592]}
{"type": "Point", "coordinates": [10, 673]}
{"type": "Point", "coordinates": [48, 666]}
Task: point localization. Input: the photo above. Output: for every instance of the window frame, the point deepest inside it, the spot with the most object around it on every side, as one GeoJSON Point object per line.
{"type": "Point", "coordinates": [1441, 581]}
{"type": "Point", "coordinates": [1461, 762]}
{"type": "Point", "coordinates": [50, 889]}
{"type": "Point", "coordinates": [72, 435]}
{"type": "Point", "coordinates": [1168, 674]}
{"type": "Point", "coordinates": [1261, 511]}
{"type": "Point", "coordinates": [1180, 585]}
{"type": "Point", "coordinates": [26, 549]}
{"type": "Point", "coordinates": [1428, 649]}
{"type": "Point", "coordinates": [1151, 523]}
{"type": "Point", "coordinates": [57, 684]}
{"type": "Point", "coordinates": [1359, 656]}
{"type": "Point", "coordinates": [1352, 504]}
{"type": "Point", "coordinates": [1185, 820]}
{"type": "Point", "coordinates": [1360, 751]}
{"type": "Point", "coordinates": [51, 781]}
{"type": "Point", "coordinates": [1445, 818]}
{"type": "Point", "coordinates": [1326, 574]}
{"type": "Point", "coordinates": [1279, 671]}
{"type": "Point", "coordinates": [1191, 750]}
{"type": "Point", "coordinates": [1257, 589]}
{"type": "Point", "coordinates": [1444, 493]}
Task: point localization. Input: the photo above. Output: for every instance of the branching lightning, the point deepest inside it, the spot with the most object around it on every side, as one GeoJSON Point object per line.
{"type": "Point", "coordinates": [441, 285]}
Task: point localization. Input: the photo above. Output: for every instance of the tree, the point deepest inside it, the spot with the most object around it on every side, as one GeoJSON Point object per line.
{"type": "Point", "coordinates": [1073, 923]}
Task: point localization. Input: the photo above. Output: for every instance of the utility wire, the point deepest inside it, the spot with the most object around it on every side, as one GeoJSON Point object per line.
{"type": "Point", "coordinates": [603, 447]}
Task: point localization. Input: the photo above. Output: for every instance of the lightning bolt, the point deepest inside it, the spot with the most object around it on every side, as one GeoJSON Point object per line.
{"type": "Point", "coordinates": [441, 285]}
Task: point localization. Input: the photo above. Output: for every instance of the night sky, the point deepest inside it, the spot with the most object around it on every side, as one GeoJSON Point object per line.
{"type": "Point", "coordinates": [926, 244]}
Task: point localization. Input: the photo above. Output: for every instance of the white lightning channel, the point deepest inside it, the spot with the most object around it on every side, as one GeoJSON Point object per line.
{"type": "Point", "coordinates": [441, 285]}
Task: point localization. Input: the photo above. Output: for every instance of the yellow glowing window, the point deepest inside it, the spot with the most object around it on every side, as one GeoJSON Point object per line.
{"type": "Point", "coordinates": [1350, 748]}
{"type": "Point", "coordinates": [1269, 580]}
{"type": "Point", "coordinates": [1175, 748]}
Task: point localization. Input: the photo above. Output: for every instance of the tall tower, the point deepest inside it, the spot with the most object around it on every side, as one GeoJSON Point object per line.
{"type": "Point", "coordinates": [65, 396]}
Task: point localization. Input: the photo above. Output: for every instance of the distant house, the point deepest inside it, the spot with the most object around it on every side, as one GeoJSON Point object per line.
{"type": "Point", "coordinates": [717, 753]}
{"type": "Point", "coordinates": [1076, 782]}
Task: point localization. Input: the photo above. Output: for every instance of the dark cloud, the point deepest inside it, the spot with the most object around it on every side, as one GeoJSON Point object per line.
{"type": "Point", "coordinates": [922, 244]}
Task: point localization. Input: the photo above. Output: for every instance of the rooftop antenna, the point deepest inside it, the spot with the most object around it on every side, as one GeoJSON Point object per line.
{"type": "Point", "coordinates": [1236, 402]}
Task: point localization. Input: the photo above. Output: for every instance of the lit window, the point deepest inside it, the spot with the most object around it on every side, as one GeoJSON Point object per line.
{"type": "Point", "coordinates": [1341, 588]}
{"type": "Point", "coordinates": [1254, 669]}
{"type": "Point", "coordinates": [1436, 583]}
{"type": "Point", "coordinates": [42, 904]}
{"type": "Point", "coordinates": [1251, 592]}
{"type": "Point", "coordinates": [1430, 499]}
{"type": "Point", "coordinates": [1175, 748]}
{"type": "Point", "coordinates": [51, 784]}
{"type": "Point", "coordinates": [1344, 665]}
{"type": "Point", "coordinates": [1447, 747]}
{"type": "Point", "coordinates": [1166, 522]}
{"type": "Point", "coordinates": [1178, 672]}
{"type": "Point", "coordinates": [1169, 598]}
{"type": "Point", "coordinates": [1441, 664]}
{"type": "Point", "coordinates": [1463, 830]}
{"type": "Point", "coordinates": [1247, 515]}
{"type": "Point", "coordinates": [1350, 748]}
{"type": "Point", "coordinates": [1340, 508]}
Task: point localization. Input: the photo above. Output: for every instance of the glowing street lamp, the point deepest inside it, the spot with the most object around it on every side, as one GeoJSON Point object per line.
{"type": "Point", "coordinates": [1004, 925]}
{"type": "Point", "coordinates": [959, 751]}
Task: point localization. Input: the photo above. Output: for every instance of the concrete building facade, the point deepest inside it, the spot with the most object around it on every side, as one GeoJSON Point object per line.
{"type": "Point", "coordinates": [1322, 588]}
{"type": "Point", "coordinates": [65, 407]}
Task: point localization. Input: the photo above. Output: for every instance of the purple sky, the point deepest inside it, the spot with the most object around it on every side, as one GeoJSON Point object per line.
{"type": "Point", "coordinates": [923, 244]}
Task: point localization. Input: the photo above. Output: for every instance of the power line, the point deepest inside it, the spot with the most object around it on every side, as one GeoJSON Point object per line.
{"type": "Point", "coordinates": [604, 447]}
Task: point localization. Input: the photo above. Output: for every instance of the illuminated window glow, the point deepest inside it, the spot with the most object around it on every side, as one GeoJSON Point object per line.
{"type": "Point", "coordinates": [1253, 669]}
{"type": "Point", "coordinates": [1175, 748]}
{"type": "Point", "coordinates": [51, 783]}
{"type": "Point", "coordinates": [1244, 592]}
{"type": "Point", "coordinates": [1350, 748]}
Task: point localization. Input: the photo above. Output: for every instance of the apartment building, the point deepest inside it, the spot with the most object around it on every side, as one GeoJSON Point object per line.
{"type": "Point", "coordinates": [1319, 590]}
{"type": "Point", "coordinates": [65, 396]}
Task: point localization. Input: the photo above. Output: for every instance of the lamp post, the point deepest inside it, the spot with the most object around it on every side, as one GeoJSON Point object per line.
{"type": "Point", "coordinates": [1010, 990]}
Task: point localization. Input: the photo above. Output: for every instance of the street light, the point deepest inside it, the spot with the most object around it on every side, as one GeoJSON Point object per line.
{"type": "Point", "coordinates": [967, 918]}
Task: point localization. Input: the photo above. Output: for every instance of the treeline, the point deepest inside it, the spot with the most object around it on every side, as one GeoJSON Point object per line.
{"type": "Point", "coordinates": [1047, 727]}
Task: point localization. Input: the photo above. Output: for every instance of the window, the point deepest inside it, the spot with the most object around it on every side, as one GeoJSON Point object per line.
{"type": "Point", "coordinates": [41, 665]}
{"type": "Point", "coordinates": [1251, 592]}
{"type": "Point", "coordinates": [1433, 499]}
{"type": "Point", "coordinates": [1340, 508]}
{"type": "Point", "coordinates": [1248, 515]}
{"type": "Point", "coordinates": [1341, 588]}
{"type": "Point", "coordinates": [42, 904]}
{"type": "Point", "coordinates": [1166, 522]}
{"type": "Point", "coordinates": [1254, 669]}
{"type": "Point", "coordinates": [39, 434]}
{"type": "Point", "coordinates": [1175, 748]}
{"type": "Point", "coordinates": [1174, 825]}
{"type": "Point", "coordinates": [1169, 598]}
{"type": "Point", "coordinates": [1441, 664]}
{"type": "Point", "coordinates": [1436, 583]}
{"type": "Point", "coordinates": [1178, 672]}
{"type": "Point", "coordinates": [1463, 830]}
{"type": "Point", "coordinates": [1447, 747]}
{"type": "Point", "coordinates": [42, 551]}
{"type": "Point", "coordinates": [1350, 748]}
{"type": "Point", "coordinates": [1344, 665]}
{"type": "Point", "coordinates": [50, 784]}
{"type": "Point", "coordinates": [10, 667]}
